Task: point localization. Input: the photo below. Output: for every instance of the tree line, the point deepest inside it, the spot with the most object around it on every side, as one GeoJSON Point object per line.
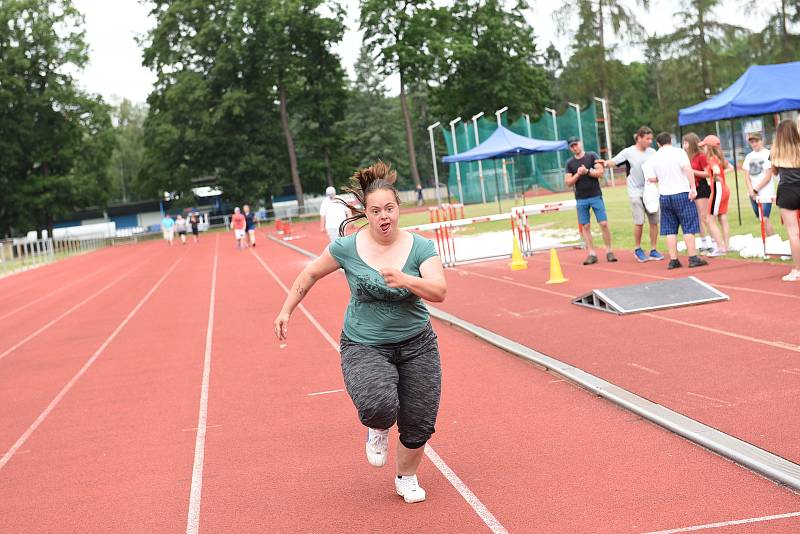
{"type": "Point", "coordinates": [250, 94]}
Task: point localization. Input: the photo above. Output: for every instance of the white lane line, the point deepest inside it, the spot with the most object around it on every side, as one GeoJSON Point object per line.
{"type": "Point", "coordinates": [643, 368]}
{"type": "Point", "coordinates": [51, 293]}
{"type": "Point", "coordinates": [727, 523]}
{"type": "Point", "coordinates": [325, 392]}
{"type": "Point", "coordinates": [477, 506]}
{"type": "Point", "coordinates": [791, 371]}
{"type": "Point", "coordinates": [193, 519]}
{"type": "Point", "coordinates": [42, 416]}
{"type": "Point", "coordinates": [69, 311]}
{"type": "Point", "coordinates": [712, 399]}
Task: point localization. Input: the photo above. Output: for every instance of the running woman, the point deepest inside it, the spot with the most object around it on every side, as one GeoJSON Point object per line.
{"type": "Point", "coordinates": [194, 222]}
{"type": "Point", "coordinates": [389, 351]}
{"type": "Point", "coordinates": [785, 159]}
{"type": "Point", "coordinates": [238, 224]}
{"type": "Point", "coordinates": [720, 193]}
{"type": "Point", "coordinates": [699, 162]}
{"type": "Point", "coordinates": [180, 226]}
{"type": "Point", "coordinates": [250, 224]}
{"type": "Point", "coordinates": [167, 228]}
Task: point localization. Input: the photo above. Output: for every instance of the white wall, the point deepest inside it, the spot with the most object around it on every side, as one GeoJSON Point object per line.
{"type": "Point", "coordinates": [150, 218]}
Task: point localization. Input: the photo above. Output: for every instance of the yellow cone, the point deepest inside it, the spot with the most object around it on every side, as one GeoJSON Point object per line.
{"type": "Point", "coordinates": [556, 276]}
{"type": "Point", "coordinates": [517, 262]}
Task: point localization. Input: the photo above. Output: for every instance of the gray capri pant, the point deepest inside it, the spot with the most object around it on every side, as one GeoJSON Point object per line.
{"type": "Point", "coordinates": [396, 382]}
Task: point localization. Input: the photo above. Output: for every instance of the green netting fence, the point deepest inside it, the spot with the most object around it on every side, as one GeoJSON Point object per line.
{"type": "Point", "coordinates": [481, 181]}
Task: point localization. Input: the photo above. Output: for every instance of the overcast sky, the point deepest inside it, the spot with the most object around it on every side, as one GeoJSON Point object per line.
{"type": "Point", "coordinates": [115, 67]}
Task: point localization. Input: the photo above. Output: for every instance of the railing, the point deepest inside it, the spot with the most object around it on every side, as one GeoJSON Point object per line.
{"type": "Point", "coordinates": [20, 253]}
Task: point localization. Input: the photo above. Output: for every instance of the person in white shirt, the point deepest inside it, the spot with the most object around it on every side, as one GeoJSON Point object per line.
{"type": "Point", "coordinates": [636, 155]}
{"type": "Point", "coordinates": [671, 169]}
{"type": "Point", "coordinates": [332, 213]}
{"type": "Point", "coordinates": [758, 180]}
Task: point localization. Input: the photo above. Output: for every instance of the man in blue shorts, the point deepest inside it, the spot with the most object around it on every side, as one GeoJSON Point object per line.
{"type": "Point", "coordinates": [671, 170]}
{"type": "Point", "coordinates": [584, 171]}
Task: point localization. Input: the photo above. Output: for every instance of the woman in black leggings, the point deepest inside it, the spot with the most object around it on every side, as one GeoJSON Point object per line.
{"type": "Point", "coordinates": [390, 356]}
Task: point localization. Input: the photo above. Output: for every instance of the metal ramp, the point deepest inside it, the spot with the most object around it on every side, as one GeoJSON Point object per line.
{"type": "Point", "coordinates": [651, 296]}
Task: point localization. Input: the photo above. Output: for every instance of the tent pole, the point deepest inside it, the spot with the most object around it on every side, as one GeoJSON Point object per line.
{"type": "Point", "coordinates": [736, 172]}
{"type": "Point", "coordinates": [497, 186]}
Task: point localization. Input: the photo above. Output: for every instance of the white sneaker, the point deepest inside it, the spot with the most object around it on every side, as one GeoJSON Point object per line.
{"type": "Point", "coordinates": [377, 447]}
{"type": "Point", "coordinates": [793, 276]}
{"type": "Point", "coordinates": [408, 488]}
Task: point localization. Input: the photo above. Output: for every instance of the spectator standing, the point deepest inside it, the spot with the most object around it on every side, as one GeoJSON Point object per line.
{"type": "Point", "coordinates": [671, 169]}
{"type": "Point", "coordinates": [636, 155]}
{"type": "Point", "coordinates": [332, 213]}
{"type": "Point", "coordinates": [699, 162]}
{"type": "Point", "coordinates": [785, 158]}
{"type": "Point", "coordinates": [759, 181]}
{"type": "Point", "coordinates": [584, 171]}
{"type": "Point", "coordinates": [720, 194]}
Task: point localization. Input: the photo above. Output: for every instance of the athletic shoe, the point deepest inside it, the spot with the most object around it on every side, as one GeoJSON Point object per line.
{"type": "Point", "coordinates": [656, 255]}
{"type": "Point", "coordinates": [717, 253]}
{"type": "Point", "coordinates": [610, 257]}
{"type": "Point", "coordinates": [590, 259]}
{"type": "Point", "coordinates": [704, 251]}
{"type": "Point", "coordinates": [696, 261]}
{"type": "Point", "coordinates": [408, 488]}
{"type": "Point", "coordinates": [641, 257]}
{"type": "Point", "coordinates": [674, 264]}
{"type": "Point", "coordinates": [793, 276]}
{"type": "Point", "coordinates": [377, 446]}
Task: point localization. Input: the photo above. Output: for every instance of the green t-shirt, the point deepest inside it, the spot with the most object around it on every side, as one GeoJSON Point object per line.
{"type": "Point", "coordinates": [378, 314]}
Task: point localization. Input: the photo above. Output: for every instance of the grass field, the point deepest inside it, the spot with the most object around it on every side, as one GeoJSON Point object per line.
{"type": "Point", "coordinates": [619, 217]}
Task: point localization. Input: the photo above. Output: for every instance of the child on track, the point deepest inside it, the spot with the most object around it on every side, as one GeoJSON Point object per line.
{"type": "Point", "coordinates": [389, 351]}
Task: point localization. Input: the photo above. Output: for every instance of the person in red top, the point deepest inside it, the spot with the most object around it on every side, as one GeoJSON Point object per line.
{"type": "Point", "coordinates": [720, 193]}
{"type": "Point", "coordinates": [238, 223]}
{"type": "Point", "coordinates": [699, 162]}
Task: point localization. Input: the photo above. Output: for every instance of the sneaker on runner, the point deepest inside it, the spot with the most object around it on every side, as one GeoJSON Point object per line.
{"type": "Point", "coordinates": [674, 264]}
{"type": "Point", "coordinates": [717, 252]}
{"type": "Point", "coordinates": [377, 447]}
{"type": "Point", "coordinates": [590, 259]}
{"type": "Point", "coordinates": [696, 261]}
{"type": "Point", "coordinates": [610, 257]}
{"type": "Point", "coordinates": [641, 257]}
{"type": "Point", "coordinates": [793, 276]}
{"type": "Point", "coordinates": [408, 488]}
{"type": "Point", "coordinates": [656, 255]}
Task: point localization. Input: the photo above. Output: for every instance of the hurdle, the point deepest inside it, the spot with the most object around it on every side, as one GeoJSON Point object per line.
{"type": "Point", "coordinates": [444, 230]}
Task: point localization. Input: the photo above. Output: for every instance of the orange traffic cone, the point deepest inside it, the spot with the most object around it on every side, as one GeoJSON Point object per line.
{"type": "Point", "coordinates": [556, 276]}
{"type": "Point", "coordinates": [517, 261]}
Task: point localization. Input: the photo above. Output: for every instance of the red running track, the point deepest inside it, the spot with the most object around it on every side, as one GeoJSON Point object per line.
{"type": "Point", "coordinates": [117, 451]}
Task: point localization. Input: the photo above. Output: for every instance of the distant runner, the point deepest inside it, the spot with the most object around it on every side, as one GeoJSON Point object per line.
{"type": "Point", "coordinates": [239, 223]}
{"type": "Point", "coordinates": [167, 229]}
{"type": "Point", "coordinates": [250, 224]}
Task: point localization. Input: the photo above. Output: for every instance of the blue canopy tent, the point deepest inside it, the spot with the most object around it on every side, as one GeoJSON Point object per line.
{"type": "Point", "coordinates": [760, 90]}
{"type": "Point", "coordinates": [504, 143]}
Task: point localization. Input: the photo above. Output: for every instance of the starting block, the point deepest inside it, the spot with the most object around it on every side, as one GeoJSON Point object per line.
{"type": "Point", "coordinates": [651, 296]}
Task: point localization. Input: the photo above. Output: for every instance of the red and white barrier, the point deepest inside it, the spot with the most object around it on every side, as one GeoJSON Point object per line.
{"type": "Point", "coordinates": [444, 230]}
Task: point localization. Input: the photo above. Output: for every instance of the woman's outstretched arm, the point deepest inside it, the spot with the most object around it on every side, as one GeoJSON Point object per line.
{"type": "Point", "coordinates": [319, 268]}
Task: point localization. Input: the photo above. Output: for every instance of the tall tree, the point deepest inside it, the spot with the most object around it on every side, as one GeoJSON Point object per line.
{"type": "Point", "coordinates": [404, 39]}
{"type": "Point", "coordinates": [494, 62]}
{"type": "Point", "coordinates": [596, 17]}
{"type": "Point", "coordinates": [55, 139]}
{"type": "Point", "coordinates": [699, 32]}
{"type": "Point", "coordinates": [127, 159]}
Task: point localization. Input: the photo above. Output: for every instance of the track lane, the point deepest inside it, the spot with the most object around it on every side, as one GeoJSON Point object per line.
{"type": "Point", "coordinates": [280, 456]}
{"type": "Point", "coordinates": [588, 465]}
{"type": "Point", "coordinates": [116, 453]}
{"type": "Point", "coordinates": [721, 380]}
